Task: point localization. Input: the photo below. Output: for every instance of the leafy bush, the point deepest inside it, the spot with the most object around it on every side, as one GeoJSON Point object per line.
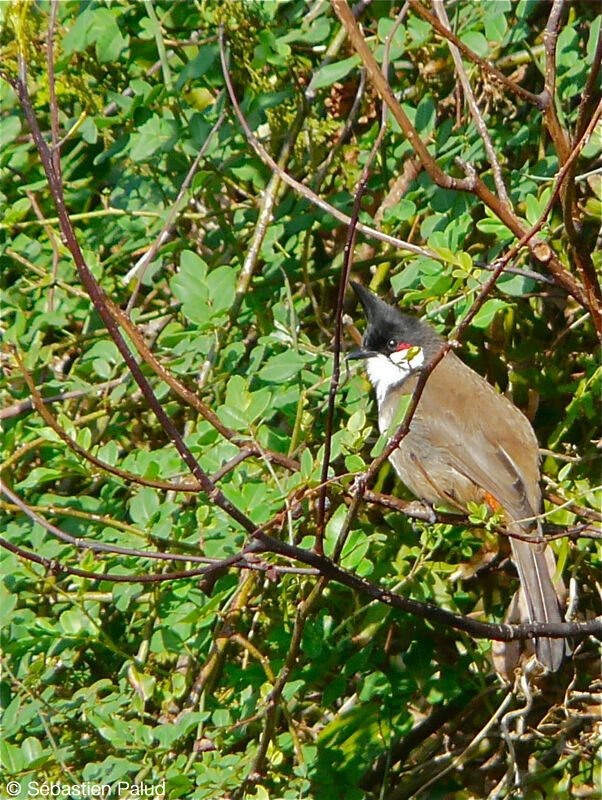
{"type": "Point", "coordinates": [232, 666]}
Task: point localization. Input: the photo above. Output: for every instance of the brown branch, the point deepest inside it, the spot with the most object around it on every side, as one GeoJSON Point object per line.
{"type": "Point", "coordinates": [96, 547]}
{"type": "Point", "coordinates": [216, 565]}
{"type": "Point", "coordinates": [53, 244]}
{"type": "Point", "coordinates": [98, 298]}
{"type": "Point", "coordinates": [50, 420]}
{"type": "Point", "coordinates": [338, 336]}
{"type": "Point", "coordinates": [22, 406]}
{"type": "Point", "coordinates": [534, 99]}
{"type": "Point", "coordinates": [328, 570]}
{"type": "Point", "coordinates": [57, 568]}
{"type": "Point", "coordinates": [401, 749]}
{"type": "Point", "coordinates": [548, 95]}
{"type": "Point", "coordinates": [54, 110]}
{"type": "Point", "coordinates": [189, 396]}
{"type": "Point", "coordinates": [578, 244]}
{"type": "Point", "coordinates": [500, 632]}
{"type": "Point", "coordinates": [591, 90]}
{"type": "Point", "coordinates": [473, 184]}
{"type": "Point", "coordinates": [311, 196]}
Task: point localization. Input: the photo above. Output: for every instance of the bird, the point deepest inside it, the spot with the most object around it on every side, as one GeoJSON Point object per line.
{"type": "Point", "coordinates": [466, 443]}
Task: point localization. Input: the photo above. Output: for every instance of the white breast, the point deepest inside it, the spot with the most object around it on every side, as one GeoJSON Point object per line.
{"type": "Point", "coordinates": [385, 372]}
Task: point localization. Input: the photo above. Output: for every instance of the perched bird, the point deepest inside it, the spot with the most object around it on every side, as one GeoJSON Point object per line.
{"type": "Point", "coordinates": [466, 443]}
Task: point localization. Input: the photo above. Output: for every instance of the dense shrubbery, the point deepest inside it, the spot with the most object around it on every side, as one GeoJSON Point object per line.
{"type": "Point", "coordinates": [270, 681]}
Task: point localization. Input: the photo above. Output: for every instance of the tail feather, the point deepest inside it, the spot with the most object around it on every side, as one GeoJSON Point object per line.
{"type": "Point", "coordinates": [536, 571]}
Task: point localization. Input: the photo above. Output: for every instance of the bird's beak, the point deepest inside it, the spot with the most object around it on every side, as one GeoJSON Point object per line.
{"type": "Point", "coordinates": [360, 354]}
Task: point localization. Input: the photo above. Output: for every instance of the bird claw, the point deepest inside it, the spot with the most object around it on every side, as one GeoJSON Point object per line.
{"type": "Point", "coordinates": [421, 510]}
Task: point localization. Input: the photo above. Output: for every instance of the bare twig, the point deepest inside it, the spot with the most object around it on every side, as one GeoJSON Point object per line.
{"type": "Point", "coordinates": [591, 90]}
{"type": "Point", "coordinates": [548, 95]}
{"type": "Point", "coordinates": [53, 244]}
{"type": "Point", "coordinates": [49, 419]}
{"type": "Point", "coordinates": [474, 109]}
{"type": "Point", "coordinates": [54, 112]}
{"type": "Point", "coordinates": [26, 405]}
{"type": "Point", "coordinates": [472, 183]}
{"type": "Point", "coordinates": [100, 303]}
{"type": "Point", "coordinates": [189, 396]}
{"type": "Point", "coordinates": [469, 749]}
{"type": "Point", "coordinates": [442, 29]}
{"type": "Point", "coordinates": [97, 547]}
{"type": "Point", "coordinates": [58, 568]}
{"type": "Point", "coordinates": [306, 192]}
{"type": "Point", "coordinates": [501, 631]}
{"type": "Point", "coordinates": [142, 264]}
{"type": "Point", "coordinates": [338, 336]}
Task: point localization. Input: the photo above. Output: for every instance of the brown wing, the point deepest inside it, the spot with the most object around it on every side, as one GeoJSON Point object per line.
{"type": "Point", "coordinates": [481, 435]}
{"type": "Point", "coordinates": [464, 429]}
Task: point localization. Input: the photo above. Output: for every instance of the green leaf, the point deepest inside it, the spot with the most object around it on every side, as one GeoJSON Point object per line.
{"type": "Point", "coordinates": [155, 135]}
{"type": "Point", "coordinates": [40, 475]}
{"type": "Point", "coordinates": [221, 283]}
{"type": "Point", "coordinates": [333, 529]}
{"type": "Point", "coordinates": [144, 505]}
{"type": "Point", "coordinates": [282, 367]}
{"type": "Point", "coordinates": [487, 312]}
{"type": "Point", "coordinates": [476, 41]}
{"type": "Point", "coordinates": [332, 73]}
{"type": "Point", "coordinates": [515, 285]}
{"type": "Point", "coordinates": [189, 286]}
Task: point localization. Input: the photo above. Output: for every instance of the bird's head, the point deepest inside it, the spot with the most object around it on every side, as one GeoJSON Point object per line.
{"type": "Point", "coordinates": [394, 344]}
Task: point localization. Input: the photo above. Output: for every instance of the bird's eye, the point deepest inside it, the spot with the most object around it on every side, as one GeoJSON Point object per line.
{"type": "Point", "coordinates": [392, 344]}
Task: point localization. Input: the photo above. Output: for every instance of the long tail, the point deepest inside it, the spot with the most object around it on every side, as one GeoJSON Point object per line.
{"type": "Point", "coordinates": [536, 572]}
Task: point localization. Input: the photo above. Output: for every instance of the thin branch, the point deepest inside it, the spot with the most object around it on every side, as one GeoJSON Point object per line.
{"type": "Point", "coordinates": [534, 99]}
{"type": "Point", "coordinates": [142, 264]}
{"type": "Point", "coordinates": [97, 547]}
{"type": "Point", "coordinates": [501, 632]}
{"type": "Point", "coordinates": [53, 244]}
{"type": "Point", "coordinates": [343, 281]}
{"type": "Point", "coordinates": [472, 183]}
{"type": "Point", "coordinates": [591, 90]}
{"type": "Point", "coordinates": [550, 38]}
{"type": "Point", "coordinates": [306, 192]}
{"type": "Point", "coordinates": [474, 109]}
{"type": "Point", "coordinates": [57, 568]}
{"type": "Point", "coordinates": [27, 405]}
{"type": "Point", "coordinates": [98, 298]}
{"type": "Point", "coordinates": [100, 547]}
{"type": "Point", "coordinates": [189, 396]}
{"type": "Point", "coordinates": [49, 419]}
{"type": "Point", "coordinates": [474, 742]}
{"type": "Point", "coordinates": [338, 336]}
{"type": "Point", "coordinates": [576, 508]}
{"type": "Point", "coordinates": [54, 115]}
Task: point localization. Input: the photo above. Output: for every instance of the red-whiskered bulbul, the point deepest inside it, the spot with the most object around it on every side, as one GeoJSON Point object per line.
{"type": "Point", "coordinates": [466, 443]}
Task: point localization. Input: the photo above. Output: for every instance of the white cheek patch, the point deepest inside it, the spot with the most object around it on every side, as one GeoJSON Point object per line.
{"type": "Point", "coordinates": [382, 371]}
{"type": "Point", "coordinates": [387, 371]}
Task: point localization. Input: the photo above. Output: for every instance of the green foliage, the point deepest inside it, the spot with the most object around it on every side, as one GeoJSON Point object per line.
{"type": "Point", "coordinates": [173, 681]}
